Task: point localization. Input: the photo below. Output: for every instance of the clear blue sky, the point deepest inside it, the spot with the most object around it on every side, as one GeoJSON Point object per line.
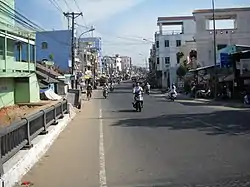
{"type": "Point", "coordinates": [116, 19]}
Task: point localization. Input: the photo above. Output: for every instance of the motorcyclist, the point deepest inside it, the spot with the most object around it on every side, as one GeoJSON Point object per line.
{"type": "Point", "coordinates": [105, 88]}
{"type": "Point", "coordinates": [111, 86]}
{"type": "Point", "coordinates": [89, 91]}
{"type": "Point", "coordinates": [147, 87]}
{"type": "Point", "coordinates": [137, 91]}
{"type": "Point", "coordinates": [173, 92]}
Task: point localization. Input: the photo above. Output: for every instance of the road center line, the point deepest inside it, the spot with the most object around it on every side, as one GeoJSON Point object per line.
{"type": "Point", "coordinates": [102, 172]}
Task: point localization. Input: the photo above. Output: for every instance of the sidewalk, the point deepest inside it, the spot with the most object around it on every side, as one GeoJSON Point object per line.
{"type": "Point", "coordinates": [183, 97]}
{"type": "Point", "coordinates": [73, 159]}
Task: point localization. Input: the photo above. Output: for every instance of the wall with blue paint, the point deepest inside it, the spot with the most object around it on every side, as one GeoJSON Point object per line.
{"type": "Point", "coordinates": [59, 45]}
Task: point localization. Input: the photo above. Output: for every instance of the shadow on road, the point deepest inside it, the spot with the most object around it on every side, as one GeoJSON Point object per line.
{"type": "Point", "coordinates": [128, 110]}
{"type": "Point", "coordinates": [121, 91]}
{"type": "Point", "coordinates": [222, 122]}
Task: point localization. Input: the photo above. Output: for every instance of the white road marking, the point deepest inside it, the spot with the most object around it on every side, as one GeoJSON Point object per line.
{"type": "Point", "coordinates": [102, 172]}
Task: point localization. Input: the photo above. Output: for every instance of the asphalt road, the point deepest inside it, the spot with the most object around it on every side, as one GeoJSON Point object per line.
{"type": "Point", "coordinates": [168, 144]}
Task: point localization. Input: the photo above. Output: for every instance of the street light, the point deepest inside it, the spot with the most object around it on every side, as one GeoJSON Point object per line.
{"type": "Point", "coordinates": [90, 30]}
{"type": "Point", "coordinates": [146, 40]}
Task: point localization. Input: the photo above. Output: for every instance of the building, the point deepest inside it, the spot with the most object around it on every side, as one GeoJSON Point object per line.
{"type": "Point", "coordinates": [91, 44]}
{"type": "Point", "coordinates": [231, 29]}
{"type": "Point", "coordinates": [125, 64]}
{"type": "Point", "coordinates": [55, 46]}
{"type": "Point", "coordinates": [18, 81]}
{"type": "Point", "coordinates": [168, 43]}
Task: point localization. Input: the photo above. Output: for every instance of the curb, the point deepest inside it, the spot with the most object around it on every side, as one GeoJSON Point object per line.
{"type": "Point", "coordinates": [28, 158]}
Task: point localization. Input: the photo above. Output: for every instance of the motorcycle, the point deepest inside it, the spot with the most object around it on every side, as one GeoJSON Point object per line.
{"type": "Point", "coordinates": [171, 96]}
{"type": "Point", "coordinates": [105, 93]}
{"type": "Point", "coordinates": [138, 104]}
{"type": "Point", "coordinates": [111, 88]}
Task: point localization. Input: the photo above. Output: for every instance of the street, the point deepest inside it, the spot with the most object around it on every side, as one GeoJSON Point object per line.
{"type": "Point", "coordinates": [170, 144]}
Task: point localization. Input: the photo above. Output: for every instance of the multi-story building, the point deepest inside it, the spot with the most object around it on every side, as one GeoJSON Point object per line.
{"type": "Point", "coordinates": [18, 81]}
{"type": "Point", "coordinates": [91, 44]}
{"type": "Point", "coordinates": [125, 64]}
{"type": "Point", "coordinates": [231, 28]}
{"type": "Point", "coordinates": [168, 43]}
{"type": "Point", "coordinates": [55, 46]}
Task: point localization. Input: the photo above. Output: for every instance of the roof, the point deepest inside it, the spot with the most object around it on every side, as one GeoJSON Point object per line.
{"type": "Point", "coordinates": [45, 77]}
{"type": "Point", "coordinates": [175, 18]}
{"type": "Point", "coordinates": [227, 10]}
{"type": "Point", "coordinates": [242, 54]}
{"type": "Point", "coordinates": [45, 69]}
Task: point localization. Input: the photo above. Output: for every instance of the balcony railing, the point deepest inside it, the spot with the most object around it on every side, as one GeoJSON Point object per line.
{"type": "Point", "coordinates": [170, 32]}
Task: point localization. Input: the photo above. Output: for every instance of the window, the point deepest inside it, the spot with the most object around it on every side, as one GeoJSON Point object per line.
{"type": "Point", "coordinates": [44, 45]}
{"type": "Point", "coordinates": [157, 44]}
{"type": "Point", "coordinates": [178, 43]}
{"type": "Point", "coordinates": [166, 43]}
{"type": "Point", "coordinates": [158, 60]}
{"type": "Point", "coordinates": [167, 60]}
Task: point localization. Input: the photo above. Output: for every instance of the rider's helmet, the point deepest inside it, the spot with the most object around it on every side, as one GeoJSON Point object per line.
{"type": "Point", "coordinates": [137, 84]}
{"type": "Point", "coordinates": [105, 84]}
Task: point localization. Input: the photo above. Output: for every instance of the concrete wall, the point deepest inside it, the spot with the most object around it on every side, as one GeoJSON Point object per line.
{"type": "Point", "coordinates": [59, 44]}
{"type": "Point", "coordinates": [6, 92]}
{"type": "Point", "coordinates": [34, 88]}
{"type": "Point", "coordinates": [204, 37]}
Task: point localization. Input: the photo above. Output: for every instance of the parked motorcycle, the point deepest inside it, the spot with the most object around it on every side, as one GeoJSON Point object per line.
{"type": "Point", "coordinates": [138, 104]}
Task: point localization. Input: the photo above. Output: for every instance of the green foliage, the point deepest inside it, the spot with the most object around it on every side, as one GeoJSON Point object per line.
{"type": "Point", "coordinates": [181, 70]}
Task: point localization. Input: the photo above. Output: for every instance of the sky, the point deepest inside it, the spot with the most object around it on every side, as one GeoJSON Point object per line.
{"type": "Point", "coordinates": [122, 24]}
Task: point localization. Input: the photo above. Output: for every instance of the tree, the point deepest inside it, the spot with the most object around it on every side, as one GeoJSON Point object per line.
{"type": "Point", "coordinates": [51, 57]}
{"type": "Point", "coordinates": [181, 70]}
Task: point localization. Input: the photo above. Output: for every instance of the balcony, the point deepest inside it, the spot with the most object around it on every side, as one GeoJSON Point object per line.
{"type": "Point", "coordinates": [10, 65]}
{"type": "Point", "coordinates": [169, 32]}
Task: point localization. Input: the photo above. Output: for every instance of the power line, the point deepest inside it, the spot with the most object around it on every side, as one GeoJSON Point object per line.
{"type": "Point", "coordinates": [56, 5]}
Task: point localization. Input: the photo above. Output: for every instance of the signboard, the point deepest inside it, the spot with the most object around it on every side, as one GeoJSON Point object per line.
{"type": "Point", "coordinates": [225, 60]}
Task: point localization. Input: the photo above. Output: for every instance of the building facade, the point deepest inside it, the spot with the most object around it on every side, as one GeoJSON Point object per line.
{"type": "Point", "coordinates": [231, 28]}
{"type": "Point", "coordinates": [93, 44]}
{"type": "Point", "coordinates": [55, 46]}
{"type": "Point", "coordinates": [18, 81]}
{"type": "Point", "coordinates": [168, 43]}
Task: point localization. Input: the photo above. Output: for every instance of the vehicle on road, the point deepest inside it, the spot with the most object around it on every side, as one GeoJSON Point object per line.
{"type": "Point", "coordinates": [105, 93]}
{"type": "Point", "coordinates": [138, 104]}
{"type": "Point", "coordinates": [171, 96]}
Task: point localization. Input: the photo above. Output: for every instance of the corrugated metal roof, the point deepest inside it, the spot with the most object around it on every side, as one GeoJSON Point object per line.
{"type": "Point", "coordinates": [46, 78]}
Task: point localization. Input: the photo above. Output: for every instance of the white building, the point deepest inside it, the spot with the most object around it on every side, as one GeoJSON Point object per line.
{"type": "Point", "coordinates": [168, 43]}
{"type": "Point", "coordinates": [232, 27]}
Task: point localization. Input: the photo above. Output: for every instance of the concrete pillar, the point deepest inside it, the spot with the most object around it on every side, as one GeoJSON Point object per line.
{"type": "Point", "coordinates": [5, 50]}
{"type": "Point", "coordinates": [28, 53]}
{"type": "Point", "coordinates": [160, 28]}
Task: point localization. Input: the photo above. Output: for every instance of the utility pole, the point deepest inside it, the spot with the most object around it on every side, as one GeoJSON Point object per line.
{"type": "Point", "coordinates": [215, 51]}
{"type": "Point", "coordinates": [73, 16]}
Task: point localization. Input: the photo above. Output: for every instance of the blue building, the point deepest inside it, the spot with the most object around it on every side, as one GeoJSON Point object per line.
{"type": "Point", "coordinates": [54, 46]}
{"type": "Point", "coordinates": [94, 43]}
